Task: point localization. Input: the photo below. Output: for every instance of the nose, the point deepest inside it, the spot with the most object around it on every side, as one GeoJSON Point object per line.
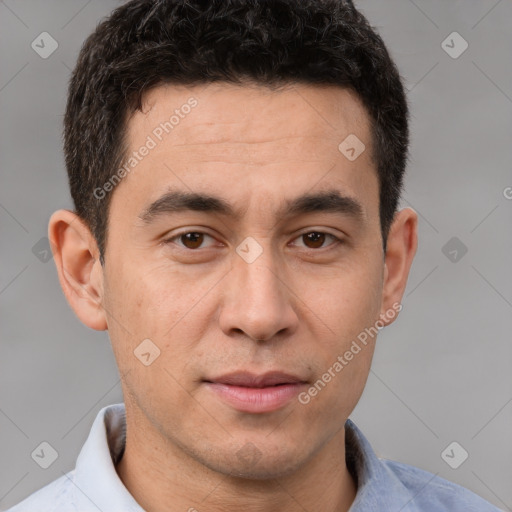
{"type": "Point", "coordinates": [258, 300]}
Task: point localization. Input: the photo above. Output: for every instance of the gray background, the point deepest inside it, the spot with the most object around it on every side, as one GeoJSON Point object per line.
{"type": "Point", "coordinates": [442, 372]}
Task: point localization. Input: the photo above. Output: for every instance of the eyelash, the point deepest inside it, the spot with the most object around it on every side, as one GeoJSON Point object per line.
{"type": "Point", "coordinates": [337, 240]}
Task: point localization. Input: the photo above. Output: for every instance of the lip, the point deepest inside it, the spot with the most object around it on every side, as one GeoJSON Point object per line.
{"type": "Point", "coordinates": [249, 392]}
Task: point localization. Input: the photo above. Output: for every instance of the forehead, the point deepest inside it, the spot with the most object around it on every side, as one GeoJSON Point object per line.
{"type": "Point", "coordinates": [224, 112]}
{"type": "Point", "coordinates": [248, 142]}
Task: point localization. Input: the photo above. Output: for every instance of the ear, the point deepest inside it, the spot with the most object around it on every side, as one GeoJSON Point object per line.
{"type": "Point", "coordinates": [76, 256]}
{"type": "Point", "coordinates": [400, 250]}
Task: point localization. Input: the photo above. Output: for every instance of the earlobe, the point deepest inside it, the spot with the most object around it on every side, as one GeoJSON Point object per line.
{"type": "Point", "coordinates": [401, 247]}
{"type": "Point", "coordinates": [80, 273]}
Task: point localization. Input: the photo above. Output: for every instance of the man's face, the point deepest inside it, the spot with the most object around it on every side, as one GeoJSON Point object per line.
{"type": "Point", "coordinates": [267, 289]}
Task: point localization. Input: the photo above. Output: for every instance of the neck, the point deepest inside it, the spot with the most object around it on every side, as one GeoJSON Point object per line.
{"type": "Point", "coordinates": [163, 478]}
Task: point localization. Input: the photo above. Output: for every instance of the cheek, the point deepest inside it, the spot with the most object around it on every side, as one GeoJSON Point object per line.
{"type": "Point", "coordinates": [152, 332]}
{"type": "Point", "coordinates": [345, 308]}
{"type": "Point", "coordinates": [158, 303]}
{"type": "Point", "coordinates": [141, 293]}
{"type": "Point", "coordinates": [346, 299]}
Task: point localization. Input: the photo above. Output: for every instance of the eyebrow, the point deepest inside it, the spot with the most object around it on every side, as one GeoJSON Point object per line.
{"type": "Point", "coordinates": [329, 201]}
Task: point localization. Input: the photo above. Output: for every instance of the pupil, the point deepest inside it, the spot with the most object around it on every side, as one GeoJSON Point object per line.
{"type": "Point", "coordinates": [192, 240]}
{"type": "Point", "coordinates": [316, 238]}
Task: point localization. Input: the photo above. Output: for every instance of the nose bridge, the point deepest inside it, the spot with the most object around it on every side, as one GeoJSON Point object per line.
{"type": "Point", "coordinates": [259, 301]}
{"type": "Point", "coordinates": [256, 267]}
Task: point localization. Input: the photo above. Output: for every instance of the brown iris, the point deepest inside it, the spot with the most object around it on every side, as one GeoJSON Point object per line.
{"type": "Point", "coordinates": [192, 240]}
{"type": "Point", "coordinates": [315, 238]}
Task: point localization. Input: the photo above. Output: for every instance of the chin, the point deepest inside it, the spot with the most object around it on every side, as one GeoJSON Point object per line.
{"type": "Point", "coordinates": [251, 463]}
{"type": "Point", "coordinates": [268, 471]}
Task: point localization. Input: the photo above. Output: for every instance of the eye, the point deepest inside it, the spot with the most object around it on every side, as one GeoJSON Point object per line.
{"type": "Point", "coordinates": [316, 239]}
{"type": "Point", "coordinates": [193, 240]}
{"type": "Point", "coordinates": [189, 239]}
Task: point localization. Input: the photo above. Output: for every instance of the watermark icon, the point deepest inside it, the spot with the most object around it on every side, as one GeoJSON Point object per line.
{"type": "Point", "coordinates": [454, 249]}
{"type": "Point", "coordinates": [507, 192]}
{"type": "Point", "coordinates": [152, 140]}
{"type": "Point", "coordinates": [454, 45]}
{"type": "Point", "coordinates": [44, 455]}
{"type": "Point", "coordinates": [351, 147]}
{"type": "Point", "coordinates": [42, 251]}
{"type": "Point", "coordinates": [249, 454]}
{"type": "Point", "coordinates": [343, 360]}
{"type": "Point", "coordinates": [249, 249]}
{"type": "Point", "coordinates": [146, 352]}
{"type": "Point", "coordinates": [44, 45]}
{"type": "Point", "coordinates": [454, 455]}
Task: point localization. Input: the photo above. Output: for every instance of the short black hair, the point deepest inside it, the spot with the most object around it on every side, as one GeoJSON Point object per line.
{"type": "Point", "coordinates": [146, 43]}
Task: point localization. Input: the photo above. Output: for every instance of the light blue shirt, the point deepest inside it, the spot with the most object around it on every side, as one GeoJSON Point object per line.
{"type": "Point", "coordinates": [382, 485]}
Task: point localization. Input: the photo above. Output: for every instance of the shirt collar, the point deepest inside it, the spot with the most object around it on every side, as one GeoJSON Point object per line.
{"type": "Point", "coordinates": [95, 473]}
{"type": "Point", "coordinates": [96, 479]}
{"type": "Point", "coordinates": [378, 488]}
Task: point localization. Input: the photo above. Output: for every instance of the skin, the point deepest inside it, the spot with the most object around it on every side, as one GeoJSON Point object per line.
{"type": "Point", "coordinates": [296, 308]}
